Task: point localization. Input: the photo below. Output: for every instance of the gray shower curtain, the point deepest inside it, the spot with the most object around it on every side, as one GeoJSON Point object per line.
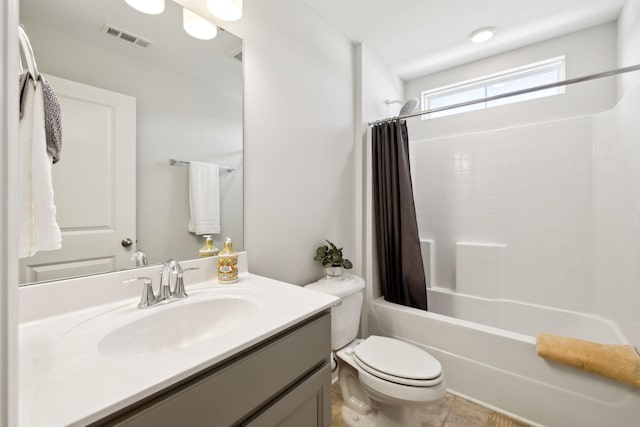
{"type": "Point", "coordinates": [397, 242]}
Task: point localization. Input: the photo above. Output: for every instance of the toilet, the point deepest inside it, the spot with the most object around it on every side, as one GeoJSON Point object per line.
{"type": "Point", "coordinates": [384, 381]}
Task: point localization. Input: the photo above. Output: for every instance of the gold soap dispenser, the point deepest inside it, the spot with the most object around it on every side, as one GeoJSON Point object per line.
{"type": "Point", "coordinates": [227, 264]}
{"type": "Point", "coordinates": [208, 249]}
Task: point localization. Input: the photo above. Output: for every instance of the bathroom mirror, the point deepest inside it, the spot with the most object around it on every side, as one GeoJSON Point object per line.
{"type": "Point", "coordinates": [136, 91]}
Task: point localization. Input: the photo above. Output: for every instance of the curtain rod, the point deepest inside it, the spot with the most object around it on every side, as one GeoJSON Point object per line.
{"type": "Point", "coordinates": [174, 162]}
{"type": "Point", "coordinates": [514, 93]}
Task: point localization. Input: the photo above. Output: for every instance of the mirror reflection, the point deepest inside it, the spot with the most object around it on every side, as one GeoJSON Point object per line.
{"type": "Point", "coordinates": [136, 91]}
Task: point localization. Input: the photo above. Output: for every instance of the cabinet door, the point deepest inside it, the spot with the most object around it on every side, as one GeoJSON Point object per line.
{"type": "Point", "coordinates": [308, 404]}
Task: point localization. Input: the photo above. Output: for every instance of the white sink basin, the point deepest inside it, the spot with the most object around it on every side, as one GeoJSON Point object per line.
{"type": "Point", "coordinates": [177, 326]}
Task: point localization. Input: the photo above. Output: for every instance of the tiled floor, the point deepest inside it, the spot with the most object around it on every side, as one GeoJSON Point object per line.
{"type": "Point", "coordinates": [452, 411]}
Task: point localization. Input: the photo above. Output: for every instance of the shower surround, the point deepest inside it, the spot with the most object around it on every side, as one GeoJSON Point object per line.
{"type": "Point", "coordinates": [560, 199]}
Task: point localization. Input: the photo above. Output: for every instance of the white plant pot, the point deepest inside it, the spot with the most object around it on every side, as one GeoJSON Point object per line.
{"type": "Point", "coordinates": [333, 272]}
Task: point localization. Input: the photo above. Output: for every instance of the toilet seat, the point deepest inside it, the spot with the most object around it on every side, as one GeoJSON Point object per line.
{"type": "Point", "coordinates": [388, 391]}
{"type": "Point", "coordinates": [398, 362]}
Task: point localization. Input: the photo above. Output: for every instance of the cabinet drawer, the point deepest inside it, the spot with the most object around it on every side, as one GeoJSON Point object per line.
{"type": "Point", "coordinates": [307, 404]}
{"type": "Point", "coordinates": [226, 395]}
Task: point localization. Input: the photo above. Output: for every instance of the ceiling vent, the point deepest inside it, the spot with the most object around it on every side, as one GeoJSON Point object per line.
{"type": "Point", "coordinates": [126, 36]}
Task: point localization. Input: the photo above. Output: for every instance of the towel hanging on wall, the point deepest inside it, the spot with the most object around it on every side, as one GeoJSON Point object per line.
{"type": "Point", "coordinates": [52, 115]}
{"type": "Point", "coordinates": [52, 120]}
{"type": "Point", "coordinates": [38, 228]}
{"type": "Point", "coordinates": [204, 198]}
{"type": "Point", "coordinates": [52, 110]}
{"type": "Point", "coordinates": [40, 141]}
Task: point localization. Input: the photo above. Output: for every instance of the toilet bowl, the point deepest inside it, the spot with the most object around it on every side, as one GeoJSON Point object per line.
{"type": "Point", "coordinates": [384, 381]}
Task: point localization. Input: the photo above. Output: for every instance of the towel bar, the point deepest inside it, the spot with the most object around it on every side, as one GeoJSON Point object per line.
{"type": "Point", "coordinates": [174, 162]}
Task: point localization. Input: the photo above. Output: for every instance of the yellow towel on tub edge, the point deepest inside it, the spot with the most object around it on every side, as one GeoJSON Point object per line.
{"type": "Point", "coordinates": [618, 362]}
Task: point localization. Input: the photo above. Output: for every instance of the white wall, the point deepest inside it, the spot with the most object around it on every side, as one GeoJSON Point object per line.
{"type": "Point", "coordinates": [629, 45]}
{"type": "Point", "coordinates": [177, 117]}
{"type": "Point", "coordinates": [616, 215]}
{"type": "Point", "coordinates": [299, 154]}
{"type": "Point", "coordinates": [374, 84]}
{"type": "Point", "coordinates": [616, 183]}
{"type": "Point", "coordinates": [298, 140]}
{"type": "Point", "coordinates": [519, 175]}
{"type": "Point", "coordinates": [378, 83]}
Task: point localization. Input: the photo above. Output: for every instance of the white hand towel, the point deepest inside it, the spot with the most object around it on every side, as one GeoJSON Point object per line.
{"type": "Point", "coordinates": [25, 132]}
{"type": "Point", "coordinates": [38, 229]}
{"type": "Point", "coordinates": [46, 231]}
{"type": "Point", "coordinates": [204, 198]}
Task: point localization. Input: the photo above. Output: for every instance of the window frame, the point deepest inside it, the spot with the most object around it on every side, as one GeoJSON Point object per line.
{"type": "Point", "coordinates": [557, 63]}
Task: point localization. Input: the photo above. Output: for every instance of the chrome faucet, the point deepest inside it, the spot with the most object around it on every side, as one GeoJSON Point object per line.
{"type": "Point", "coordinates": [178, 291]}
{"type": "Point", "coordinates": [165, 293]}
{"type": "Point", "coordinates": [140, 258]}
{"type": "Point", "coordinates": [148, 298]}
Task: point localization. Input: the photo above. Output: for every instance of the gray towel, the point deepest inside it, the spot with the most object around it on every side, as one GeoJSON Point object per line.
{"type": "Point", "coordinates": [52, 114]}
{"type": "Point", "coordinates": [52, 120]}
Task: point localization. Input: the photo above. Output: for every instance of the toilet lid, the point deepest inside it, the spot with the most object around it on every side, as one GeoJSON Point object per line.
{"type": "Point", "coordinates": [397, 360]}
{"type": "Point", "coordinates": [346, 285]}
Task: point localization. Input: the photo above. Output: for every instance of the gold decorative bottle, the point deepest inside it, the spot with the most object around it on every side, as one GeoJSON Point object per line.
{"type": "Point", "coordinates": [227, 264]}
{"type": "Point", "coordinates": [209, 249]}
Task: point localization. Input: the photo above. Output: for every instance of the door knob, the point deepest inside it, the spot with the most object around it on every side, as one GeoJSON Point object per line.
{"type": "Point", "coordinates": [126, 242]}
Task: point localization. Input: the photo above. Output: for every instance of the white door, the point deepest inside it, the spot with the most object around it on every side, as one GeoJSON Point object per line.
{"type": "Point", "coordinates": [94, 185]}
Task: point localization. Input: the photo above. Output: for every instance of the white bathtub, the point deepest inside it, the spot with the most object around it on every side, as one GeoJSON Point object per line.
{"type": "Point", "coordinates": [523, 318]}
{"type": "Point", "coordinates": [500, 368]}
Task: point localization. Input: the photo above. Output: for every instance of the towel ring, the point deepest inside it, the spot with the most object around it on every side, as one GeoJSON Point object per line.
{"type": "Point", "coordinates": [27, 50]}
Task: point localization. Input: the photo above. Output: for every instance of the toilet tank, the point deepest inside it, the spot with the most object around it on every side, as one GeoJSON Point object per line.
{"type": "Point", "coordinates": [345, 318]}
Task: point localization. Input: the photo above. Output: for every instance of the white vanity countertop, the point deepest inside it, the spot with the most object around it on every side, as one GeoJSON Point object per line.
{"type": "Point", "coordinates": [66, 380]}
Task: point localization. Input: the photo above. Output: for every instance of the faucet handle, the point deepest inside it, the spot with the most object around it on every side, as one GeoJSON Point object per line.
{"type": "Point", "coordinates": [164, 293]}
{"type": "Point", "coordinates": [147, 299]}
{"type": "Point", "coordinates": [179, 291]}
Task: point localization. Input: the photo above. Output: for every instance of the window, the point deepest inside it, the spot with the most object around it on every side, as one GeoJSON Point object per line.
{"type": "Point", "coordinates": [537, 74]}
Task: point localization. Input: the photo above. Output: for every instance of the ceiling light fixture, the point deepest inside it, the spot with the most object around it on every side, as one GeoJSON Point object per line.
{"type": "Point", "coordinates": [198, 27]}
{"type": "Point", "coordinates": [152, 7]}
{"type": "Point", "coordinates": [482, 35]}
{"type": "Point", "coordinates": [227, 10]}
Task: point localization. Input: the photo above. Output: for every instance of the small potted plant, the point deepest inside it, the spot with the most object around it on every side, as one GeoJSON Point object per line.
{"type": "Point", "coordinates": [332, 260]}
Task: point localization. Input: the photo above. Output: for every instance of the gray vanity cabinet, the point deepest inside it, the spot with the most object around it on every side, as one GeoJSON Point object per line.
{"type": "Point", "coordinates": [284, 381]}
{"type": "Point", "coordinates": [304, 405]}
